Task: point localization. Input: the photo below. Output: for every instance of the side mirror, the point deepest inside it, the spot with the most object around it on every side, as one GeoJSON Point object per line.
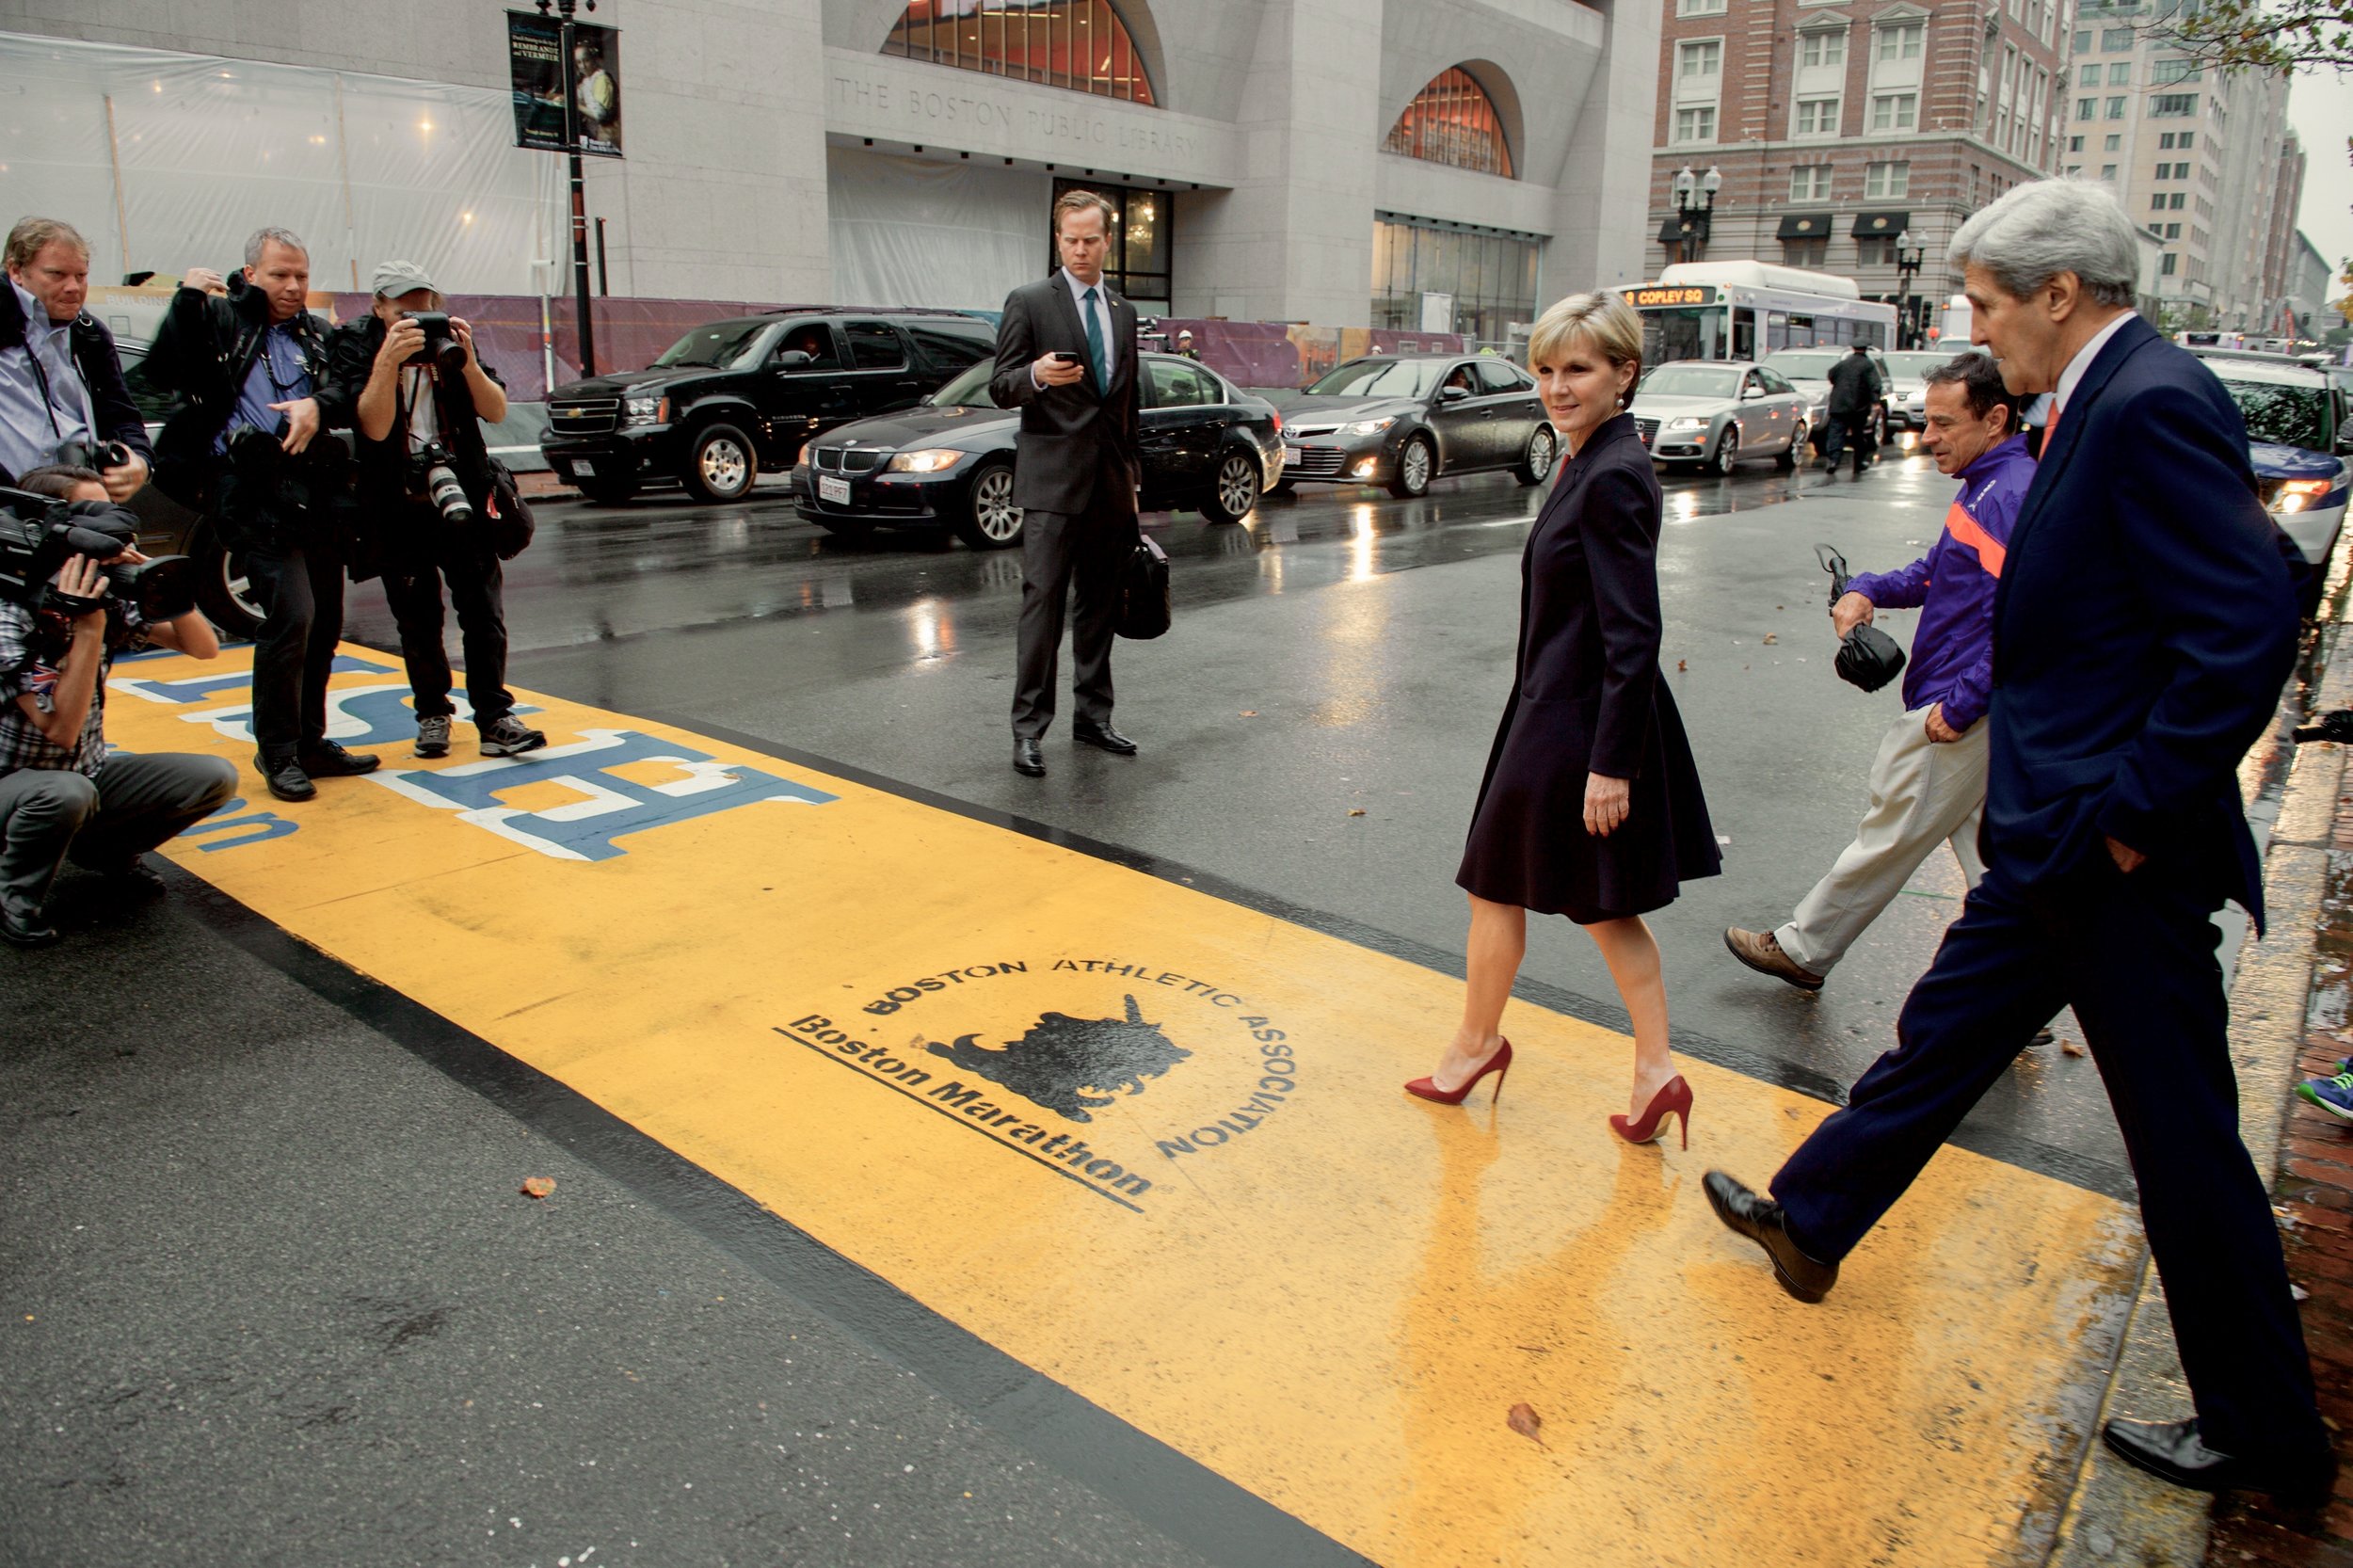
{"type": "Point", "coordinates": [795, 359]}
{"type": "Point", "coordinates": [2345, 442]}
{"type": "Point", "coordinates": [1452, 394]}
{"type": "Point", "coordinates": [1750, 394]}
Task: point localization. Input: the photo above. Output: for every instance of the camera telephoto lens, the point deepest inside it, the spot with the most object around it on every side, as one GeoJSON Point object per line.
{"type": "Point", "coordinates": [448, 496]}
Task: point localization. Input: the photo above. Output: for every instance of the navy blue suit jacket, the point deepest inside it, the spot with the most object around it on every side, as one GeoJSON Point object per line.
{"type": "Point", "coordinates": [2142, 630]}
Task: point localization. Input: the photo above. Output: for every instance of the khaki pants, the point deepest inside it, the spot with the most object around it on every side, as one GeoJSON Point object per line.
{"type": "Point", "coordinates": [1922, 795]}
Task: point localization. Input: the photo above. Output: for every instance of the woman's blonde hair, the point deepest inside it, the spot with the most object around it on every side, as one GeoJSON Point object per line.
{"type": "Point", "coordinates": [1604, 320]}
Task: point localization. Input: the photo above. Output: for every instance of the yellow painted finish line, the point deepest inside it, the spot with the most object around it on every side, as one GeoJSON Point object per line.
{"type": "Point", "coordinates": [1152, 1144]}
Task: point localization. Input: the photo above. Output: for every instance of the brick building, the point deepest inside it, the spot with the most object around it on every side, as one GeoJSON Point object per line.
{"type": "Point", "coordinates": [1836, 127]}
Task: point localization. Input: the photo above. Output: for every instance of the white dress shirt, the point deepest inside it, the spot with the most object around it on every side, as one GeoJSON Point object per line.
{"type": "Point", "coordinates": [1103, 322]}
{"type": "Point", "coordinates": [2081, 362]}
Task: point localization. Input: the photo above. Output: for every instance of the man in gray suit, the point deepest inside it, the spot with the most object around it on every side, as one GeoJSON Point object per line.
{"type": "Point", "coordinates": [1066, 358]}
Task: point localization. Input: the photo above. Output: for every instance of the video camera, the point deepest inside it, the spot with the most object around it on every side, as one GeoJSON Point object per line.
{"type": "Point", "coordinates": [1868, 657]}
{"type": "Point", "coordinates": [37, 535]}
{"type": "Point", "coordinates": [441, 348]}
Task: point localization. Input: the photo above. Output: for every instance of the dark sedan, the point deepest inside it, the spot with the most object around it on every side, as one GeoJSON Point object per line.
{"type": "Point", "coordinates": [1402, 420]}
{"type": "Point", "coordinates": [948, 462]}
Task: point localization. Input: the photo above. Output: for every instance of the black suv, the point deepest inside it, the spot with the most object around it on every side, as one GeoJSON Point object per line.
{"type": "Point", "coordinates": [734, 397]}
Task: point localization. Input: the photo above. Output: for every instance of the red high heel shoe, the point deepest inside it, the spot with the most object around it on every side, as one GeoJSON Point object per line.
{"type": "Point", "coordinates": [1672, 1099]}
{"type": "Point", "coordinates": [1499, 1064]}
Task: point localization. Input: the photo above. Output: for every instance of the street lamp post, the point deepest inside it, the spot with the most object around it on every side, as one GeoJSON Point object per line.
{"type": "Point", "coordinates": [1910, 252]}
{"type": "Point", "coordinates": [580, 186]}
{"type": "Point", "coordinates": [1695, 205]}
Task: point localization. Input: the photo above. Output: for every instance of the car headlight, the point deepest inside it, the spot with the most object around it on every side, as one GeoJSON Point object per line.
{"type": "Point", "coordinates": [1367, 427]}
{"type": "Point", "coordinates": [652, 409]}
{"type": "Point", "coordinates": [929, 460]}
{"type": "Point", "coordinates": [2299, 495]}
{"type": "Point", "coordinates": [1687, 422]}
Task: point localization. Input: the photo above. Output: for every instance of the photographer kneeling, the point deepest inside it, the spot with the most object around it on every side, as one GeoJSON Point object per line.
{"type": "Point", "coordinates": [250, 448]}
{"type": "Point", "coordinates": [420, 393]}
{"type": "Point", "coordinates": [61, 790]}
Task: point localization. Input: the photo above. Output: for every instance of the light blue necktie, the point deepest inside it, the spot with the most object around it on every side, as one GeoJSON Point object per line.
{"type": "Point", "coordinates": [1095, 345]}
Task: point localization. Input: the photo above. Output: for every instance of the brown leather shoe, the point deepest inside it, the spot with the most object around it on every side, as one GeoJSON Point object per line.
{"type": "Point", "coordinates": [1760, 952]}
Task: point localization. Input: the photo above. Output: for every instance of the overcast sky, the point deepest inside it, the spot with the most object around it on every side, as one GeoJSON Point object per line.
{"type": "Point", "coordinates": [2320, 107]}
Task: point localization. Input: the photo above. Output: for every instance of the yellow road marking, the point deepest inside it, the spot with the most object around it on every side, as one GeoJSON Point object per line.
{"type": "Point", "coordinates": [1152, 1144]}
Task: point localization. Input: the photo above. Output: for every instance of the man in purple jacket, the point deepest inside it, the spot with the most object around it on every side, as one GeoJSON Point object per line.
{"type": "Point", "coordinates": [1928, 784]}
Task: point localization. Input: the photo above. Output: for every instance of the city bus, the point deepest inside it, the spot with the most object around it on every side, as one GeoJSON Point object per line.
{"type": "Point", "coordinates": [1747, 310]}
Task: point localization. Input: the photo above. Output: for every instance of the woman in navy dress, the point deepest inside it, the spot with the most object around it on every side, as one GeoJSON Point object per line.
{"type": "Point", "coordinates": [1591, 806]}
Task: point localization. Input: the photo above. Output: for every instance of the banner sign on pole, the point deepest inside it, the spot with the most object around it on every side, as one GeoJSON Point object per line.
{"type": "Point", "coordinates": [535, 51]}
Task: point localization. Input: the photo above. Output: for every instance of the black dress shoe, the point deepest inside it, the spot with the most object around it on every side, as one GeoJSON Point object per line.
{"type": "Point", "coordinates": [26, 930]}
{"type": "Point", "coordinates": [2174, 1451]}
{"type": "Point", "coordinates": [328, 759]}
{"type": "Point", "coordinates": [1103, 735]}
{"type": "Point", "coordinates": [1761, 1221]}
{"type": "Point", "coordinates": [285, 778]}
{"type": "Point", "coordinates": [1028, 758]}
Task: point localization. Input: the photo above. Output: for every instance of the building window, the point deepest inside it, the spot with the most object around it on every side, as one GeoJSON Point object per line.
{"type": "Point", "coordinates": [2120, 74]}
{"type": "Point", "coordinates": [2188, 140]}
{"type": "Point", "coordinates": [1492, 277]}
{"type": "Point", "coordinates": [1875, 250]}
{"type": "Point", "coordinates": [2087, 108]}
{"type": "Point", "coordinates": [2165, 267]}
{"type": "Point", "coordinates": [1698, 125]}
{"type": "Point", "coordinates": [1818, 116]}
{"type": "Point", "coordinates": [2075, 144]}
{"type": "Point", "coordinates": [2170, 72]}
{"type": "Point", "coordinates": [1887, 181]}
{"type": "Point", "coordinates": [1699, 8]}
{"type": "Point", "coordinates": [2115, 40]}
{"type": "Point", "coordinates": [1703, 59]}
{"type": "Point", "coordinates": [1453, 121]}
{"type": "Point", "coordinates": [2107, 172]}
{"type": "Point", "coordinates": [2172, 230]}
{"type": "Point", "coordinates": [1822, 48]}
{"type": "Point", "coordinates": [2112, 142]}
{"type": "Point", "coordinates": [2116, 108]}
{"type": "Point", "coordinates": [1142, 241]}
{"type": "Point", "coordinates": [2177, 200]}
{"type": "Point", "coordinates": [1079, 44]}
{"type": "Point", "coordinates": [2083, 41]}
{"type": "Point", "coordinates": [1895, 111]}
{"type": "Point", "coordinates": [2090, 77]}
{"type": "Point", "coordinates": [1900, 43]}
{"type": "Point", "coordinates": [1813, 252]}
{"type": "Point", "coordinates": [1810, 182]}
{"type": "Point", "coordinates": [2156, 203]}
{"type": "Point", "coordinates": [2168, 104]}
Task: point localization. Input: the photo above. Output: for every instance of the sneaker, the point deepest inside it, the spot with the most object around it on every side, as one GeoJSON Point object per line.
{"type": "Point", "coordinates": [2333, 1095]}
{"type": "Point", "coordinates": [506, 735]}
{"type": "Point", "coordinates": [433, 735]}
{"type": "Point", "coordinates": [328, 759]}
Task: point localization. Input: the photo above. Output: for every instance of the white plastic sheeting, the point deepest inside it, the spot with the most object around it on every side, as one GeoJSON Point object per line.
{"type": "Point", "coordinates": [169, 161]}
{"type": "Point", "coordinates": [919, 231]}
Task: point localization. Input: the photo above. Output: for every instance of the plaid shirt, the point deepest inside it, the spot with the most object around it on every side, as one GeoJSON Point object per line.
{"type": "Point", "coordinates": [24, 672]}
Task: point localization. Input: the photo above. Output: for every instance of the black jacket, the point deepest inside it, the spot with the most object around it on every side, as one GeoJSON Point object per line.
{"type": "Point", "coordinates": [1854, 385]}
{"type": "Point", "coordinates": [203, 354]}
{"type": "Point", "coordinates": [94, 356]}
{"type": "Point", "coordinates": [384, 477]}
{"type": "Point", "coordinates": [1073, 443]}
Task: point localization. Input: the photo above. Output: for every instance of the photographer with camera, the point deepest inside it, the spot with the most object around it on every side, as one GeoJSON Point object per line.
{"type": "Point", "coordinates": [436, 503]}
{"type": "Point", "coordinates": [1928, 783]}
{"type": "Point", "coordinates": [247, 449]}
{"type": "Point", "coordinates": [61, 790]}
{"type": "Point", "coordinates": [62, 396]}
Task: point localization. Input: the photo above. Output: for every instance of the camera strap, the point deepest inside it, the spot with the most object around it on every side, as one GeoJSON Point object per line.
{"type": "Point", "coordinates": [48, 397]}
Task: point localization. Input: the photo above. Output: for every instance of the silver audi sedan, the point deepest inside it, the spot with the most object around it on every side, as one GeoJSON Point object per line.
{"type": "Point", "coordinates": [1712, 413]}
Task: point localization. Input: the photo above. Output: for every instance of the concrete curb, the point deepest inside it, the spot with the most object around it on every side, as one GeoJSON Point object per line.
{"type": "Point", "coordinates": [2119, 1514]}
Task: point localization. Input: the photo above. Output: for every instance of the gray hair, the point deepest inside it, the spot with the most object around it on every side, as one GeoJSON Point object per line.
{"type": "Point", "coordinates": [265, 237]}
{"type": "Point", "coordinates": [2041, 229]}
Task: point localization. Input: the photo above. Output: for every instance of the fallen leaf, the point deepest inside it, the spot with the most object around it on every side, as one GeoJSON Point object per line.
{"type": "Point", "coordinates": [1355, 811]}
{"type": "Point", "coordinates": [1525, 1421]}
{"type": "Point", "coordinates": [1683, 667]}
{"type": "Point", "coordinates": [2071, 1047]}
{"type": "Point", "coordinates": [538, 1187]}
{"type": "Point", "coordinates": [1771, 638]}
{"type": "Point", "coordinates": [1250, 712]}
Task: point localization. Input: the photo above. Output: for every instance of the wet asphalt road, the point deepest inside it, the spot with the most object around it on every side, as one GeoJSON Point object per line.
{"type": "Point", "coordinates": [266, 1295]}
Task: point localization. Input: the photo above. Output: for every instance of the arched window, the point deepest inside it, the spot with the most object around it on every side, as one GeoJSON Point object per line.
{"type": "Point", "coordinates": [1079, 44]}
{"type": "Point", "coordinates": [1452, 121]}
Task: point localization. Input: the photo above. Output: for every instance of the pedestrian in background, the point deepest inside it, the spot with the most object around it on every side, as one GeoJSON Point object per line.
{"type": "Point", "coordinates": [1927, 782]}
{"type": "Point", "coordinates": [248, 447]}
{"type": "Point", "coordinates": [1591, 806]}
{"type": "Point", "coordinates": [1855, 390]}
{"type": "Point", "coordinates": [2144, 627]}
{"type": "Point", "coordinates": [427, 481]}
{"type": "Point", "coordinates": [62, 396]}
{"type": "Point", "coordinates": [1066, 358]}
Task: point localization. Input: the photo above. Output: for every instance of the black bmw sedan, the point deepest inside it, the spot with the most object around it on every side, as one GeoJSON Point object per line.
{"type": "Point", "coordinates": [948, 462]}
{"type": "Point", "coordinates": [1402, 420]}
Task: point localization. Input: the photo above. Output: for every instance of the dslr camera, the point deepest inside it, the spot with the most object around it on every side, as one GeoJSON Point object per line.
{"type": "Point", "coordinates": [433, 475]}
{"type": "Point", "coordinates": [441, 348]}
{"type": "Point", "coordinates": [37, 535]}
{"type": "Point", "coordinates": [98, 455]}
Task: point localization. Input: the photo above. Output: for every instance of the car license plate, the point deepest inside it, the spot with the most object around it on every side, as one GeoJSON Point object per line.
{"type": "Point", "coordinates": [1290, 455]}
{"type": "Point", "coordinates": [835, 490]}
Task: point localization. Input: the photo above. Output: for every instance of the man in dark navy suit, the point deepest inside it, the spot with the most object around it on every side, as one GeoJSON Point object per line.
{"type": "Point", "coordinates": [2142, 630]}
{"type": "Point", "coordinates": [1066, 358]}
